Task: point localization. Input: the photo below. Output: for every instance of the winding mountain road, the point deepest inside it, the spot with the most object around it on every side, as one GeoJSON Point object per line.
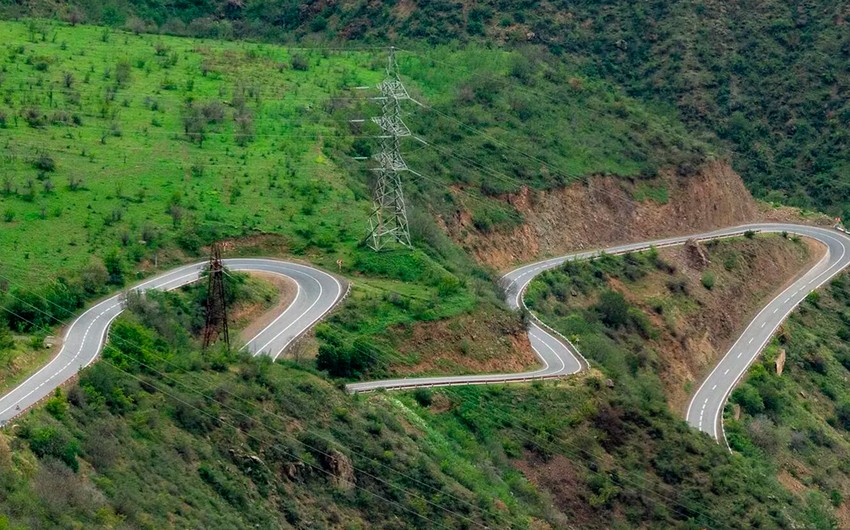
{"type": "Point", "coordinates": [560, 357]}
{"type": "Point", "coordinates": [318, 292]}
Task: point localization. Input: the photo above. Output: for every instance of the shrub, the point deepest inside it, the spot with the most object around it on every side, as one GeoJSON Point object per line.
{"type": "Point", "coordinates": [423, 396]}
{"type": "Point", "coordinates": [613, 309]}
{"type": "Point", "coordinates": [749, 399]}
{"type": "Point", "coordinates": [842, 413]}
{"type": "Point", "coordinates": [341, 360]}
{"type": "Point", "coordinates": [678, 286]}
{"type": "Point", "coordinates": [50, 441]}
{"type": "Point", "coordinates": [708, 280]}
{"type": "Point", "coordinates": [44, 162]}
{"type": "Point", "coordinates": [300, 63]}
{"type": "Point", "coordinates": [123, 72]}
{"type": "Point", "coordinates": [813, 298]}
{"type": "Point", "coordinates": [57, 405]}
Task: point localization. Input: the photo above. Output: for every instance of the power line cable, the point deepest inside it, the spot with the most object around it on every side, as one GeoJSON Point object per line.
{"type": "Point", "coordinates": [211, 398]}
{"type": "Point", "coordinates": [170, 363]}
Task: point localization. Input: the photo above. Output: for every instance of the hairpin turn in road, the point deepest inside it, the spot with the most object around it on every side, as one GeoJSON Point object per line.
{"type": "Point", "coordinates": [318, 292]}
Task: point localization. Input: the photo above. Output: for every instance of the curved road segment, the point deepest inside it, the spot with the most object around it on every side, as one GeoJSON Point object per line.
{"type": "Point", "coordinates": [560, 357]}
{"type": "Point", "coordinates": [319, 292]}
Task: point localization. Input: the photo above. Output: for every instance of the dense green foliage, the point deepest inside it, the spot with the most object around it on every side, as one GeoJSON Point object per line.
{"type": "Point", "coordinates": [643, 436]}
{"type": "Point", "coordinates": [770, 79]}
{"type": "Point", "coordinates": [158, 435]}
{"type": "Point", "coordinates": [246, 442]}
{"type": "Point", "coordinates": [800, 420]}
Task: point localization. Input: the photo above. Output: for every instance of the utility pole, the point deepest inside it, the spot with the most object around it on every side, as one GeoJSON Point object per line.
{"type": "Point", "coordinates": [388, 219]}
{"type": "Point", "coordinates": [216, 312]}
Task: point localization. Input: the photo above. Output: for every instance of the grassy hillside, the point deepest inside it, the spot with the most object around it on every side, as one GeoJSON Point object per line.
{"type": "Point", "coordinates": [769, 79]}
{"type": "Point", "coordinates": [158, 435]}
{"type": "Point", "coordinates": [125, 154]}
{"type": "Point", "coordinates": [800, 418]}
{"type": "Point", "coordinates": [636, 340]}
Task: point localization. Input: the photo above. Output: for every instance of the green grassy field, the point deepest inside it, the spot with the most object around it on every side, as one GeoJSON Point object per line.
{"type": "Point", "coordinates": [106, 114]}
{"type": "Point", "coordinates": [136, 142]}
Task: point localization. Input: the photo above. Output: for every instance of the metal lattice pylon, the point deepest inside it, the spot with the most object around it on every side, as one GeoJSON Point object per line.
{"type": "Point", "coordinates": [388, 220]}
{"type": "Point", "coordinates": [216, 310]}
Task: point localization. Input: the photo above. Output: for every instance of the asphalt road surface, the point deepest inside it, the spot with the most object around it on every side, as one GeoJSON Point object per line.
{"type": "Point", "coordinates": [559, 357]}
{"type": "Point", "coordinates": [317, 293]}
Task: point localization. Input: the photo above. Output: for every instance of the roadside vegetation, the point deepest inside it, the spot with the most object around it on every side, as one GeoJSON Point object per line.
{"type": "Point", "coordinates": [640, 320]}
{"type": "Point", "coordinates": [158, 434]}
{"type": "Point", "coordinates": [793, 407]}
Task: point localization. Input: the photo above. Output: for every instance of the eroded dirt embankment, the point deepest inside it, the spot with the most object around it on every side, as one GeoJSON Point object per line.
{"type": "Point", "coordinates": [608, 210]}
{"type": "Point", "coordinates": [695, 324]}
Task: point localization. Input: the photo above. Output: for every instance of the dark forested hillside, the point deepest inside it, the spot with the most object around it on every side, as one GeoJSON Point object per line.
{"type": "Point", "coordinates": [770, 78]}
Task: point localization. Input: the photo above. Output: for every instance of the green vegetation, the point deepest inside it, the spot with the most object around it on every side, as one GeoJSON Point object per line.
{"type": "Point", "coordinates": [118, 165]}
{"type": "Point", "coordinates": [643, 437]}
{"type": "Point", "coordinates": [769, 86]}
{"type": "Point", "coordinates": [157, 435]}
{"type": "Point", "coordinates": [247, 442]}
{"type": "Point", "coordinates": [126, 152]}
{"type": "Point", "coordinates": [708, 279]}
{"type": "Point", "coordinates": [798, 421]}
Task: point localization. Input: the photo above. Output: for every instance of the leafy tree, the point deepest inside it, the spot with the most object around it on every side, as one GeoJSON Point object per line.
{"type": "Point", "coordinates": [114, 267]}
{"type": "Point", "coordinates": [613, 309]}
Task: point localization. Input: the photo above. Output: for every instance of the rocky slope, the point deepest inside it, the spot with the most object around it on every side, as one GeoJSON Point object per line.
{"type": "Point", "coordinates": [605, 210]}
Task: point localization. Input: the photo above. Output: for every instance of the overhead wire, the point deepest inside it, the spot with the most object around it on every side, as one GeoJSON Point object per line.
{"type": "Point", "coordinates": [578, 452]}
{"type": "Point", "coordinates": [434, 180]}
{"type": "Point", "coordinates": [245, 401]}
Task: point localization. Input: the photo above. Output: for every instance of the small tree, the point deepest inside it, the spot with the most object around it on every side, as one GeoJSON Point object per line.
{"type": "Point", "coordinates": [300, 63]}
{"type": "Point", "coordinates": [613, 309]}
{"type": "Point", "coordinates": [75, 16]}
{"type": "Point", "coordinates": [123, 72]}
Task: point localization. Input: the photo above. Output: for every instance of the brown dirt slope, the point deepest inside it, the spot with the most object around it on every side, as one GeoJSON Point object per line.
{"type": "Point", "coordinates": [490, 341]}
{"type": "Point", "coordinates": [697, 329]}
{"type": "Point", "coordinates": [607, 210]}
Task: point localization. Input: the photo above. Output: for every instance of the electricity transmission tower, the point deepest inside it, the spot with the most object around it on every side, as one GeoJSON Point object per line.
{"type": "Point", "coordinates": [216, 312]}
{"type": "Point", "coordinates": [388, 220]}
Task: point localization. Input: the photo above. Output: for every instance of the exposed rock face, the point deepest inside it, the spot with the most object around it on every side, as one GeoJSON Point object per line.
{"type": "Point", "coordinates": [603, 211]}
{"type": "Point", "coordinates": [780, 362]}
{"type": "Point", "coordinates": [340, 467]}
{"type": "Point", "coordinates": [697, 256]}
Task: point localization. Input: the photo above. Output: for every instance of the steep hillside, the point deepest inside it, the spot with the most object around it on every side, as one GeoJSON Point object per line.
{"type": "Point", "coordinates": [605, 210]}
{"type": "Point", "coordinates": [768, 78]}
{"type": "Point", "coordinates": [159, 435]}
{"type": "Point", "coordinates": [642, 319]}
{"type": "Point", "coordinates": [793, 408]}
{"type": "Point", "coordinates": [689, 303]}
